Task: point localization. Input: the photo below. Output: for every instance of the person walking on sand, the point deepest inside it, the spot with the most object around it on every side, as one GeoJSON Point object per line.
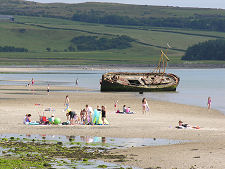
{"type": "Point", "coordinates": [48, 89]}
{"type": "Point", "coordinates": [145, 106]}
{"type": "Point", "coordinates": [67, 102]}
{"type": "Point", "coordinates": [209, 103]}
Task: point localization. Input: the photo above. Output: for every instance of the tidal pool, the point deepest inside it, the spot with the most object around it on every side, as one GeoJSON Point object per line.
{"type": "Point", "coordinates": [106, 142]}
{"type": "Point", "coordinates": [48, 151]}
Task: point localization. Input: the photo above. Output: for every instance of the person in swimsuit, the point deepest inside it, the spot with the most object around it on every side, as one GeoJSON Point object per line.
{"type": "Point", "coordinates": [103, 114]}
{"type": "Point", "coordinates": [32, 81]}
{"type": "Point", "coordinates": [145, 106]}
{"type": "Point", "coordinates": [27, 119]}
{"type": "Point", "coordinates": [82, 115]}
{"type": "Point", "coordinates": [115, 105]}
{"type": "Point", "coordinates": [67, 102]}
{"type": "Point", "coordinates": [209, 103]}
{"type": "Point", "coordinates": [72, 115]}
{"type": "Point", "coordinates": [89, 111]}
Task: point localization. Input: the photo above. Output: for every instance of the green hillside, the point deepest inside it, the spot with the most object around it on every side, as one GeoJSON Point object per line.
{"type": "Point", "coordinates": [30, 8]}
{"type": "Point", "coordinates": [37, 33]}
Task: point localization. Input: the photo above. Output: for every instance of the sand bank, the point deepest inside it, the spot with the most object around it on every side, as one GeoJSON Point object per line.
{"type": "Point", "coordinates": [206, 149]}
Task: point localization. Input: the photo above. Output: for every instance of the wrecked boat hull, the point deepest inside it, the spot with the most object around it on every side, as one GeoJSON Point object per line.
{"type": "Point", "coordinates": [108, 84]}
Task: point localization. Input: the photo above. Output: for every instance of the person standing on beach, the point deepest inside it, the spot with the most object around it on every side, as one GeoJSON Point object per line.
{"type": "Point", "coordinates": [32, 81]}
{"type": "Point", "coordinates": [67, 102]}
{"type": "Point", "coordinates": [89, 111]}
{"type": "Point", "coordinates": [116, 105]}
{"type": "Point", "coordinates": [209, 103]}
{"type": "Point", "coordinates": [76, 84]}
{"type": "Point", "coordinates": [145, 106]}
{"type": "Point", "coordinates": [103, 115]}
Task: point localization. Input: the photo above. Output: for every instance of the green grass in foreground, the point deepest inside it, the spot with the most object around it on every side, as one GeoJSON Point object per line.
{"type": "Point", "coordinates": [12, 163]}
{"type": "Point", "coordinates": [38, 33]}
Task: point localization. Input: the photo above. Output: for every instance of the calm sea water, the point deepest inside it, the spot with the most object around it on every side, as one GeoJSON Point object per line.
{"type": "Point", "coordinates": [196, 85]}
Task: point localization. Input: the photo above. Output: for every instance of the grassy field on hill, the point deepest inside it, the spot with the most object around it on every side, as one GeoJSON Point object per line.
{"type": "Point", "coordinates": [67, 10]}
{"type": "Point", "coordinates": [38, 33]}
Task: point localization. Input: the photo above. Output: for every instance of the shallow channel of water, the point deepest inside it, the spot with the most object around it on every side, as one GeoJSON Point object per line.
{"type": "Point", "coordinates": [106, 142]}
{"type": "Point", "coordinates": [102, 143]}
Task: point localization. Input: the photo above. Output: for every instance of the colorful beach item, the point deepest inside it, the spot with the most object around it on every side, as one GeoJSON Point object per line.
{"type": "Point", "coordinates": [57, 121]}
{"type": "Point", "coordinates": [97, 118]}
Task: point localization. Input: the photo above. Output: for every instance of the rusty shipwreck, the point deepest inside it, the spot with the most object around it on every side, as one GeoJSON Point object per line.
{"type": "Point", "coordinates": [157, 80]}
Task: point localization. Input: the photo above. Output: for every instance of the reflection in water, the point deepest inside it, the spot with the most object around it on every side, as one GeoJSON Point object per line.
{"type": "Point", "coordinates": [28, 135]}
{"type": "Point", "coordinates": [103, 140]}
{"type": "Point", "coordinates": [89, 139]}
{"type": "Point", "coordinates": [106, 142]}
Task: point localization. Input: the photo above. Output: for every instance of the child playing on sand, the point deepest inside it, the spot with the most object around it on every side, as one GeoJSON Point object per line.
{"type": "Point", "coordinates": [145, 106]}
{"type": "Point", "coordinates": [89, 111]}
{"type": "Point", "coordinates": [82, 115]}
{"type": "Point", "coordinates": [72, 115]}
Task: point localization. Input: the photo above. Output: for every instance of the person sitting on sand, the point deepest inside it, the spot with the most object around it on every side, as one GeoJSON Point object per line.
{"type": "Point", "coordinates": [27, 119]}
{"type": "Point", "coordinates": [51, 119]}
{"type": "Point", "coordinates": [181, 125]}
{"type": "Point", "coordinates": [124, 108]}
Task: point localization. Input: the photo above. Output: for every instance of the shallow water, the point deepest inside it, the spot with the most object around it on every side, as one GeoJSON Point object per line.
{"type": "Point", "coordinates": [101, 142]}
{"type": "Point", "coordinates": [196, 85]}
{"type": "Point", "coordinates": [68, 141]}
{"type": "Point", "coordinates": [106, 142]}
{"type": "Point", "coordinates": [90, 165]}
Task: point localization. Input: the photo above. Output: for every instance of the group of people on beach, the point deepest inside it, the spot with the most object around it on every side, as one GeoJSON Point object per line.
{"type": "Point", "coordinates": [86, 114]}
{"type": "Point", "coordinates": [30, 83]}
{"type": "Point", "coordinates": [126, 110]}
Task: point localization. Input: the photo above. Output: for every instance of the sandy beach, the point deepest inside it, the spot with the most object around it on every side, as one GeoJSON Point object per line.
{"type": "Point", "coordinates": [205, 149]}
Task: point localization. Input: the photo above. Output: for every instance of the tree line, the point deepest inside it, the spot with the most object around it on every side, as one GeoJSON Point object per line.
{"type": "Point", "coordinates": [201, 22]}
{"type": "Point", "coordinates": [90, 43]}
{"type": "Point", "coordinates": [209, 50]}
{"type": "Point", "coordinates": [12, 49]}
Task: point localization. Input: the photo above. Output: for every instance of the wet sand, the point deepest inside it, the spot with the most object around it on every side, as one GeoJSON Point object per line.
{"type": "Point", "coordinates": [206, 149]}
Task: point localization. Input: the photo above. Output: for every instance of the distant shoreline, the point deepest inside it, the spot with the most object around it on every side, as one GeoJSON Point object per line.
{"type": "Point", "coordinates": [9, 68]}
